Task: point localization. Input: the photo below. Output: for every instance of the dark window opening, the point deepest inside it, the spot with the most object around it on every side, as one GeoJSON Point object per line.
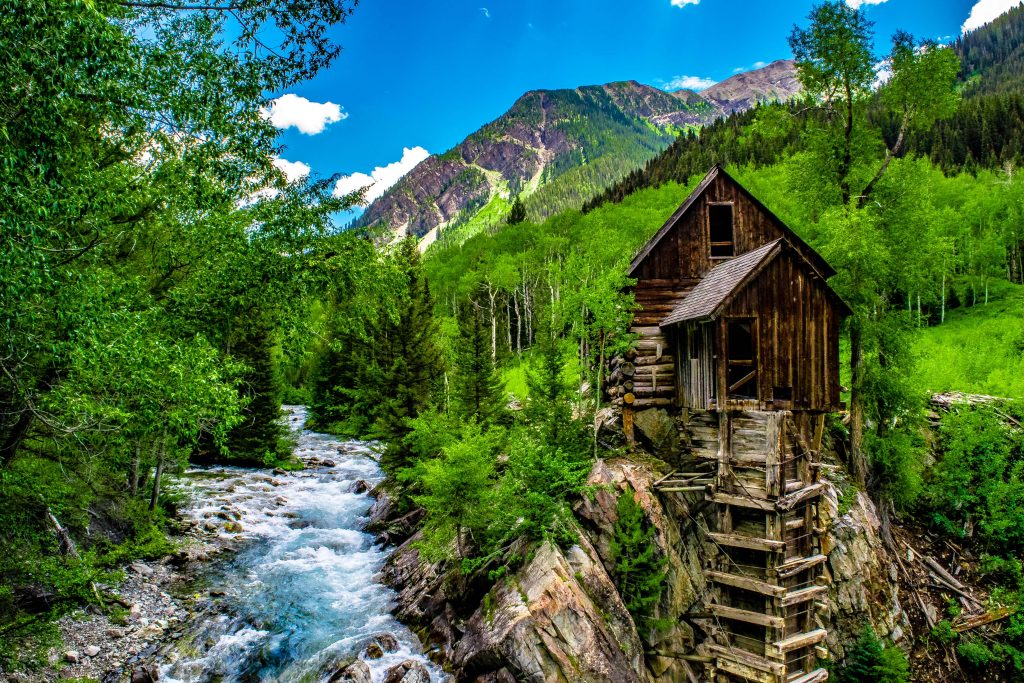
{"type": "Point", "coordinates": [782, 393]}
{"type": "Point", "coordinates": [720, 229]}
{"type": "Point", "coordinates": [741, 360]}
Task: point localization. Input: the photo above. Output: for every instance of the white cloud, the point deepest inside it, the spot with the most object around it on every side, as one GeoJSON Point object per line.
{"type": "Point", "coordinates": [309, 117]}
{"type": "Point", "coordinates": [486, 12]}
{"type": "Point", "coordinates": [985, 11]}
{"type": "Point", "coordinates": [856, 4]}
{"type": "Point", "coordinates": [759, 65]}
{"type": "Point", "coordinates": [382, 177]}
{"type": "Point", "coordinates": [293, 170]}
{"type": "Point", "coordinates": [688, 83]}
{"type": "Point", "coordinates": [684, 3]}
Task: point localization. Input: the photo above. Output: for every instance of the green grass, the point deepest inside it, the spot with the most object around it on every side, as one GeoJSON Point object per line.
{"type": "Point", "coordinates": [979, 349]}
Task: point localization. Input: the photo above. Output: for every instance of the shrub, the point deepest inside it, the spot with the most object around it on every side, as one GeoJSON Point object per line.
{"type": "Point", "coordinates": [639, 569]}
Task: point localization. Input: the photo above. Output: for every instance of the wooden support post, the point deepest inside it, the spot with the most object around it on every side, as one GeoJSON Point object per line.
{"type": "Point", "coordinates": [627, 427]}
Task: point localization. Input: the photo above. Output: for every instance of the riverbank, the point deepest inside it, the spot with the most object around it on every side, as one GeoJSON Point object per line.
{"type": "Point", "coordinates": [274, 579]}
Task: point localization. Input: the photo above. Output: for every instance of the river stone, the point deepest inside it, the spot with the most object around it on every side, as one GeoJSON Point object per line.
{"type": "Point", "coordinates": [360, 486]}
{"type": "Point", "coordinates": [71, 656]}
{"type": "Point", "coordinates": [374, 651]}
{"type": "Point", "coordinates": [386, 641]}
{"type": "Point", "coordinates": [356, 672]}
{"type": "Point", "coordinates": [409, 671]}
{"type": "Point", "coordinates": [91, 651]}
{"type": "Point", "coordinates": [145, 674]}
{"type": "Point", "coordinates": [658, 431]}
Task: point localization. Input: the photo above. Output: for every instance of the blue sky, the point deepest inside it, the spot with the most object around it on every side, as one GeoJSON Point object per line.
{"type": "Point", "coordinates": [419, 76]}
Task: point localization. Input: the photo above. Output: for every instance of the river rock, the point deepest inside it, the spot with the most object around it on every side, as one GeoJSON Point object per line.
{"type": "Point", "coordinates": [91, 651]}
{"type": "Point", "coordinates": [379, 512]}
{"type": "Point", "coordinates": [373, 651]}
{"type": "Point", "coordinates": [409, 671]}
{"type": "Point", "coordinates": [356, 672]}
{"type": "Point", "coordinates": [72, 657]}
{"type": "Point", "coordinates": [142, 569]}
{"type": "Point", "coordinates": [360, 486]}
{"type": "Point", "coordinates": [386, 641]}
{"type": "Point", "coordinates": [145, 674]}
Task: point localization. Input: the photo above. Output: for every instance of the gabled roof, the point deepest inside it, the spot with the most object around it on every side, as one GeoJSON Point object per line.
{"type": "Point", "coordinates": [714, 289]}
{"type": "Point", "coordinates": [722, 282]}
{"type": "Point", "coordinates": [817, 262]}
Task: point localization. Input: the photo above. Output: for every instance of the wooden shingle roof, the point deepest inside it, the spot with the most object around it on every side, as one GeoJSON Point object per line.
{"type": "Point", "coordinates": [717, 286]}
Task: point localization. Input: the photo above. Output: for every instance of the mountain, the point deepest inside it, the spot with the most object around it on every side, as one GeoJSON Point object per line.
{"type": "Point", "coordinates": [558, 148]}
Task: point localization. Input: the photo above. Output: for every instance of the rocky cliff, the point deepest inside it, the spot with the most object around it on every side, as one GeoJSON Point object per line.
{"type": "Point", "coordinates": [558, 148]}
{"type": "Point", "coordinates": [559, 617]}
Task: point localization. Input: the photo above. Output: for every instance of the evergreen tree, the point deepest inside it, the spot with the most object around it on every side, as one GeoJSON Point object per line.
{"type": "Point", "coordinates": [871, 661]}
{"type": "Point", "coordinates": [517, 214]}
{"type": "Point", "coordinates": [479, 388]}
{"type": "Point", "coordinates": [549, 406]}
{"type": "Point", "coordinates": [639, 571]}
{"type": "Point", "coordinates": [409, 363]}
{"type": "Point", "coordinates": [255, 438]}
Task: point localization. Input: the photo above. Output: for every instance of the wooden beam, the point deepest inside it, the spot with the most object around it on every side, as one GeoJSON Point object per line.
{"type": "Point", "coordinates": [803, 595]}
{"type": "Point", "coordinates": [789, 502]}
{"type": "Point", "coordinates": [758, 618]}
{"type": "Point", "coordinates": [815, 676]}
{"type": "Point", "coordinates": [749, 542]}
{"type": "Point", "coordinates": [795, 642]}
{"type": "Point", "coordinates": [794, 567]}
{"type": "Point", "coordinates": [742, 501]}
{"type": "Point", "coordinates": [746, 583]}
{"type": "Point", "coordinates": [748, 658]}
{"type": "Point", "coordinates": [745, 672]}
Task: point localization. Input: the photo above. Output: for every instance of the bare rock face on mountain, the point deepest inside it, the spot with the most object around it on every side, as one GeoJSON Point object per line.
{"type": "Point", "coordinates": [777, 81]}
{"type": "Point", "coordinates": [557, 148]}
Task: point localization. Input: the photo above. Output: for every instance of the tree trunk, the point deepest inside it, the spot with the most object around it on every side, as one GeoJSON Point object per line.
{"type": "Point", "coordinates": [519, 324]}
{"type": "Point", "coordinates": [133, 472]}
{"type": "Point", "coordinates": [159, 473]}
{"type": "Point", "coordinates": [858, 460]}
{"type": "Point", "coordinates": [494, 324]}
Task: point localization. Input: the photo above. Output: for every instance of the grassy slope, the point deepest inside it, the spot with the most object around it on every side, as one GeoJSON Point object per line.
{"type": "Point", "coordinates": [979, 349]}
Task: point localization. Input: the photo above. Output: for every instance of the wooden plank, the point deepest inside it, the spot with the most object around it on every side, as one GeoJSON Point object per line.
{"type": "Point", "coordinates": [815, 676]}
{"type": "Point", "coordinates": [803, 595]}
{"type": "Point", "coordinates": [794, 567]}
{"type": "Point", "coordinates": [748, 658]}
{"type": "Point", "coordinates": [750, 542]}
{"type": "Point", "coordinates": [758, 618]}
{"type": "Point", "coordinates": [742, 501]}
{"type": "Point", "coordinates": [746, 583]}
{"type": "Point", "coordinates": [745, 672]}
{"type": "Point", "coordinates": [799, 640]}
{"type": "Point", "coordinates": [788, 502]}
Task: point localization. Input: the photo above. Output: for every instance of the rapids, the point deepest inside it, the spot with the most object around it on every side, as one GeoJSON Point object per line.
{"type": "Point", "coordinates": [301, 595]}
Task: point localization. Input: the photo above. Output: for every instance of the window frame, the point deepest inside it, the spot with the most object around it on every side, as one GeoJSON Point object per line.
{"type": "Point", "coordinates": [732, 242]}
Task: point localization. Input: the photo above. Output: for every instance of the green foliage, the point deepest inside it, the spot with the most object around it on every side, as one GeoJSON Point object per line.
{"type": "Point", "coordinates": [458, 489]}
{"type": "Point", "coordinates": [639, 569]}
{"type": "Point", "coordinates": [870, 660]}
{"type": "Point", "coordinates": [977, 486]}
{"type": "Point", "coordinates": [478, 385]}
{"type": "Point", "coordinates": [517, 214]}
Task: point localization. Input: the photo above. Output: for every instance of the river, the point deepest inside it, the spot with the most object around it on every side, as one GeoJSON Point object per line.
{"type": "Point", "coordinates": [301, 593]}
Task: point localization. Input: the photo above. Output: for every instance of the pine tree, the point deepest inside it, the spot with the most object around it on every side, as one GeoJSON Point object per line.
{"type": "Point", "coordinates": [549, 406]}
{"type": "Point", "coordinates": [639, 571]}
{"type": "Point", "coordinates": [410, 363]}
{"type": "Point", "coordinates": [517, 214]}
{"type": "Point", "coordinates": [256, 438]}
{"type": "Point", "coordinates": [478, 385]}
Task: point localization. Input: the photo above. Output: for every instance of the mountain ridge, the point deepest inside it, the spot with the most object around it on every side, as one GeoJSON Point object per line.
{"type": "Point", "coordinates": [556, 148]}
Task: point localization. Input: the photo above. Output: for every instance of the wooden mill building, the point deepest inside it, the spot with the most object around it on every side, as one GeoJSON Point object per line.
{"type": "Point", "coordinates": [738, 337]}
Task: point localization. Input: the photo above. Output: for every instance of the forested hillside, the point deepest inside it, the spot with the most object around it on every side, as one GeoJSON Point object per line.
{"type": "Point", "coordinates": [985, 131]}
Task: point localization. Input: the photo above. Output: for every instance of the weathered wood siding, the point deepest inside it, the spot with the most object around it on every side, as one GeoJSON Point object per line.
{"type": "Point", "coordinates": [685, 251]}
{"type": "Point", "coordinates": [797, 335]}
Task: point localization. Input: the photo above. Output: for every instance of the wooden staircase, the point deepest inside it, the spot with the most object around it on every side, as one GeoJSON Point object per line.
{"type": "Point", "coordinates": [763, 560]}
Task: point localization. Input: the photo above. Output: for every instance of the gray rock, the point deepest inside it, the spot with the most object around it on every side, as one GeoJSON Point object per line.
{"type": "Point", "coordinates": [72, 657]}
{"type": "Point", "coordinates": [145, 674]}
{"type": "Point", "coordinates": [409, 671]}
{"type": "Point", "coordinates": [658, 431]}
{"type": "Point", "coordinates": [91, 651]}
{"type": "Point", "coordinates": [356, 672]}
{"type": "Point", "coordinates": [142, 569]}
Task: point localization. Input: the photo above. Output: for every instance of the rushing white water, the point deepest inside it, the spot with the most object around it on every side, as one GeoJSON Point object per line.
{"type": "Point", "coordinates": [301, 594]}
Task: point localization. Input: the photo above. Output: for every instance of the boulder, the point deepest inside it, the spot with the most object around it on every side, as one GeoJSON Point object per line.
{"type": "Point", "coordinates": [91, 651]}
{"type": "Point", "coordinates": [72, 657]}
{"type": "Point", "coordinates": [409, 671]}
{"type": "Point", "coordinates": [373, 651]}
{"type": "Point", "coordinates": [360, 486]}
{"type": "Point", "coordinates": [145, 674]}
{"type": "Point", "coordinates": [559, 618]}
{"type": "Point", "coordinates": [658, 432]}
{"type": "Point", "coordinates": [356, 672]}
